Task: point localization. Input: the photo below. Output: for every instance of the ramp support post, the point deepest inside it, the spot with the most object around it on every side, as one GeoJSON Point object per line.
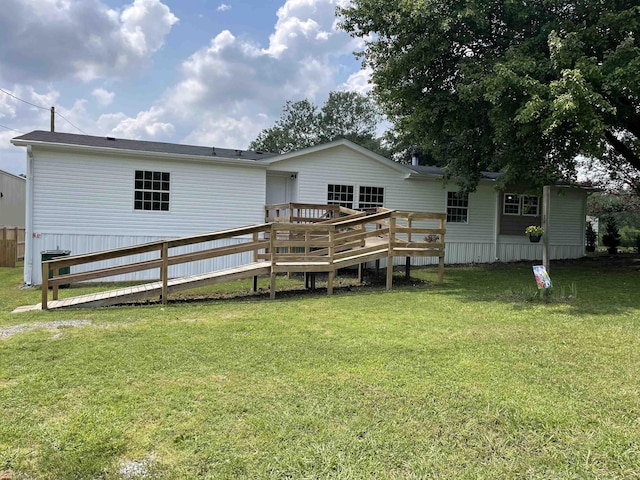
{"type": "Point", "coordinates": [164, 272]}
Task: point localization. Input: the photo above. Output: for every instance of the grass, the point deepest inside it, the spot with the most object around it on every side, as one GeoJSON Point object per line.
{"type": "Point", "coordinates": [477, 378]}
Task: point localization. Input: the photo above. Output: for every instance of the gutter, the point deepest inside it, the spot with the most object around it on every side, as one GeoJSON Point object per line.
{"type": "Point", "coordinates": [28, 220]}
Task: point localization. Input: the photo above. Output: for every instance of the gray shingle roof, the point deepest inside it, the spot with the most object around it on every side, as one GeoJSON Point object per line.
{"type": "Point", "coordinates": [139, 145]}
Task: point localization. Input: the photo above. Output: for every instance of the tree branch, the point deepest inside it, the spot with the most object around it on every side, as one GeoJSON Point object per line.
{"type": "Point", "coordinates": [622, 149]}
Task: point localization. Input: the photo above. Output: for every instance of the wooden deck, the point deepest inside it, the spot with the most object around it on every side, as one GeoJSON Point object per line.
{"type": "Point", "coordinates": [298, 238]}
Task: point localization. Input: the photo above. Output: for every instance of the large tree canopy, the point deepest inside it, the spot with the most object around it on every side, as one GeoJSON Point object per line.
{"type": "Point", "coordinates": [302, 124]}
{"type": "Point", "coordinates": [518, 86]}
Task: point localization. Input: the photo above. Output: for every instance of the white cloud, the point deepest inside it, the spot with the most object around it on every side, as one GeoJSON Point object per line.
{"type": "Point", "coordinates": [223, 7]}
{"type": "Point", "coordinates": [103, 96]}
{"type": "Point", "coordinates": [359, 82]}
{"type": "Point", "coordinates": [45, 40]}
{"type": "Point", "coordinates": [233, 87]}
{"type": "Point", "coordinates": [146, 125]}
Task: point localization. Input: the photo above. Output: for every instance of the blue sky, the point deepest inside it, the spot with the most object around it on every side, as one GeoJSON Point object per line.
{"type": "Point", "coordinates": [187, 71]}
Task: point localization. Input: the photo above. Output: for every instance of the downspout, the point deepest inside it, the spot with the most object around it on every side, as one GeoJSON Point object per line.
{"type": "Point", "coordinates": [28, 220]}
{"type": "Point", "coordinates": [496, 230]}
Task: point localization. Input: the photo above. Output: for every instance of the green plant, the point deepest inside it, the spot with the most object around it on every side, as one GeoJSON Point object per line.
{"type": "Point", "coordinates": [611, 238]}
{"type": "Point", "coordinates": [591, 237]}
{"type": "Point", "coordinates": [534, 231]}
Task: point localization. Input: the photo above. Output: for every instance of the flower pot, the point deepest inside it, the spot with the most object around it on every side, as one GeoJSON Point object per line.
{"type": "Point", "coordinates": [535, 238]}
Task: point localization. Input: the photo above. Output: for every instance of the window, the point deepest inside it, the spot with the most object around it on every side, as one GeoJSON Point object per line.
{"type": "Point", "coordinates": [340, 195]}
{"type": "Point", "coordinates": [457, 207]}
{"type": "Point", "coordinates": [530, 205]}
{"type": "Point", "coordinates": [511, 204]}
{"type": "Point", "coordinates": [370, 198]}
{"type": "Point", "coordinates": [527, 205]}
{"type": "Point", "coordinates": [151, 191]}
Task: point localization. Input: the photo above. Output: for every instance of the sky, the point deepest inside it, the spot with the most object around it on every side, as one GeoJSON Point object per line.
{"type": "Point", "coordinates": [200, 72]}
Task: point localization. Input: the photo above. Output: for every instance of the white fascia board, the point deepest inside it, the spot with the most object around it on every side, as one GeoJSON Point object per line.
{"type": "Point", "coordinates": [336, 143]}
{"type": "Point", "coordinates": [120, 152]}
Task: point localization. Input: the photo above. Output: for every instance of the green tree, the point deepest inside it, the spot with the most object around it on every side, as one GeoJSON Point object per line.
{"type": "Point", "coordinates": [521, 87]}
{"type": "Point", "coordinates": [302, 124]}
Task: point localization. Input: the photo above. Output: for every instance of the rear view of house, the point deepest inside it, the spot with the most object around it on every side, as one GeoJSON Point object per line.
{"type": "Point", "coordinates": [87, 194]}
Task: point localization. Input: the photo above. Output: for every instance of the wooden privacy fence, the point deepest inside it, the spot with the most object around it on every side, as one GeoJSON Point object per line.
{"type": "Point", "coordinates": [11, 245]}
{"type": "Point", "coordinates": [298, 238]}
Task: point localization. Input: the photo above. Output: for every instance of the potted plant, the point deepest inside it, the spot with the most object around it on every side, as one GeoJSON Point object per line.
{"type": "Point", "coordinates": [534, 232]}
{"type": "Point", "coordinates": [591, 238]}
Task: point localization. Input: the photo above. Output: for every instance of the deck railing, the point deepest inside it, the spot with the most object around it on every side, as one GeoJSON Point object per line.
{"type": "Point", "coordinates": [322, 238]}
{"type": "Point", "coordinates": [51, 276]}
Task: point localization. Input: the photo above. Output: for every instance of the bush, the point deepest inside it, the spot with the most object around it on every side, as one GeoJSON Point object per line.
{"type": "Point", "coordinates": [629, 237]}
{"type": "Point", "coordinates": [611, 238]}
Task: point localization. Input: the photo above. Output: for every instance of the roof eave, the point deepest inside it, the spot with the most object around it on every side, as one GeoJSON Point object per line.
{"type": "Point", "coordinates": [140, 153]}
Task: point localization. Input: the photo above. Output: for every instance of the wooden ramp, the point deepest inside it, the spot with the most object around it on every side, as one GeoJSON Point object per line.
{"type": "Point", "coordinates": [296, 238]}
{"type": "Point", "coordinates": [154, 289]}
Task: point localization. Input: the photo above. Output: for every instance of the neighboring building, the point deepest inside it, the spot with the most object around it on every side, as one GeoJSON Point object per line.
{"type": "Point", "coordinates": [12, 199]}
{"type": "Point", "coordinates": [87, 194]}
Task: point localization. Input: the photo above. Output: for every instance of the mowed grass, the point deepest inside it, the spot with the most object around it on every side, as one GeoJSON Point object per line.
{"type": "Point", "coordinates": [471, 379]}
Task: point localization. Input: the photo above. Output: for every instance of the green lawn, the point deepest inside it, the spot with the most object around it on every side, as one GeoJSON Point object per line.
{"type": "Point", "coordinates": [473, 379]}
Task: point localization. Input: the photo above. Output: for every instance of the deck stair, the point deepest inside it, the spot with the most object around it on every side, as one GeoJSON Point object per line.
{"type": "Point", "coordinates": [304, 238]}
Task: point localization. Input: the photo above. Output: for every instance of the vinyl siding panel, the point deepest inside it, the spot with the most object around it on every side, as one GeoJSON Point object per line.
{"type": "Point", "coordinates": [568, 217]}
{"type": "Point", "coordinates": [341, 165]}
{"type": "Point", "coordinates": [85, 204]}
{"type": "Point", "coordinates": [80, 194]}
{"type": "Point", "coordinates": [12, 201]}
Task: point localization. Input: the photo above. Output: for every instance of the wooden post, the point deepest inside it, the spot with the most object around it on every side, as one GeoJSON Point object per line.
{"type": "Point", "coordinates": [360, 266]}
{"type": "Point", "coordinates": [256, 239]}
{"type": "Point", "coordinates": [392, 233]}
{"type": "Point", "coordinates": [407, 261]}
{"type": "Point", "coordinates": [54, 293]}
{"type": "Point", "coordinates": [45, 285]}
{"type": "Point", "coordinates": [53, 119]}
{"type": "Point", "coordinates": [272, 285]}
{"type": "Point", "coordinates": [332, 272]}
{"type": "Point", "coordinates": [164, 272]}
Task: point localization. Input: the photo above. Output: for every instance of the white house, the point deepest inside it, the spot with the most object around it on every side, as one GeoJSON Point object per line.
{"type": "Point", "coordinates": [12, 199]}
{"type": "Point", "coordinates": [87, 194]}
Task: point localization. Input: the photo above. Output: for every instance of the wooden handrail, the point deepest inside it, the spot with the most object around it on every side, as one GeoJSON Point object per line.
{"type": "Point", "coordinates": [318, 242]}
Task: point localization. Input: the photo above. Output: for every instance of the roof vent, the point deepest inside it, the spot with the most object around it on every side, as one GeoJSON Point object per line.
{"type": "Point", "coordinates": [113, 139]}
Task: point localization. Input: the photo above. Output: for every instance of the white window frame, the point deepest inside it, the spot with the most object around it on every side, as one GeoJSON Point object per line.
{"type": "Point", "coordinates": [517, 204]}
{"type": "Point", "coordinates": [522, 203]}
{"type": "Point", "coordinates": [524, 199]}
{"type": "Point", "coordinates": [455, 195]}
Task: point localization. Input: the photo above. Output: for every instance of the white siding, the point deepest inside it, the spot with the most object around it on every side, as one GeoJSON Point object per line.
{"type": "Point", "coordinates": [84, 203]}
{"type": "Point", "coordinates": [12, 200]}
{"type": "Point", "coordinates": [568, 214]}
{"type": "Point", "coordinates": [470, 242]}
{"type": "Point", "coordinates": [76, 193]}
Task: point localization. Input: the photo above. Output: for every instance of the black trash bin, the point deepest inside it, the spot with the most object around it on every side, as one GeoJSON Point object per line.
{"type": "Point", "coordinates": [50, 255]}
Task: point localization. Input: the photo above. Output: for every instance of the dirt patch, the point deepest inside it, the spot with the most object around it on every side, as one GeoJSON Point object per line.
{"type": "Point", "coordinates": [51, 326]}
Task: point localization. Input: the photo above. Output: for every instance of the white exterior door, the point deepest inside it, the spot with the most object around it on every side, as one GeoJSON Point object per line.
{"type": "Point", "coordinates": [281, 188]}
